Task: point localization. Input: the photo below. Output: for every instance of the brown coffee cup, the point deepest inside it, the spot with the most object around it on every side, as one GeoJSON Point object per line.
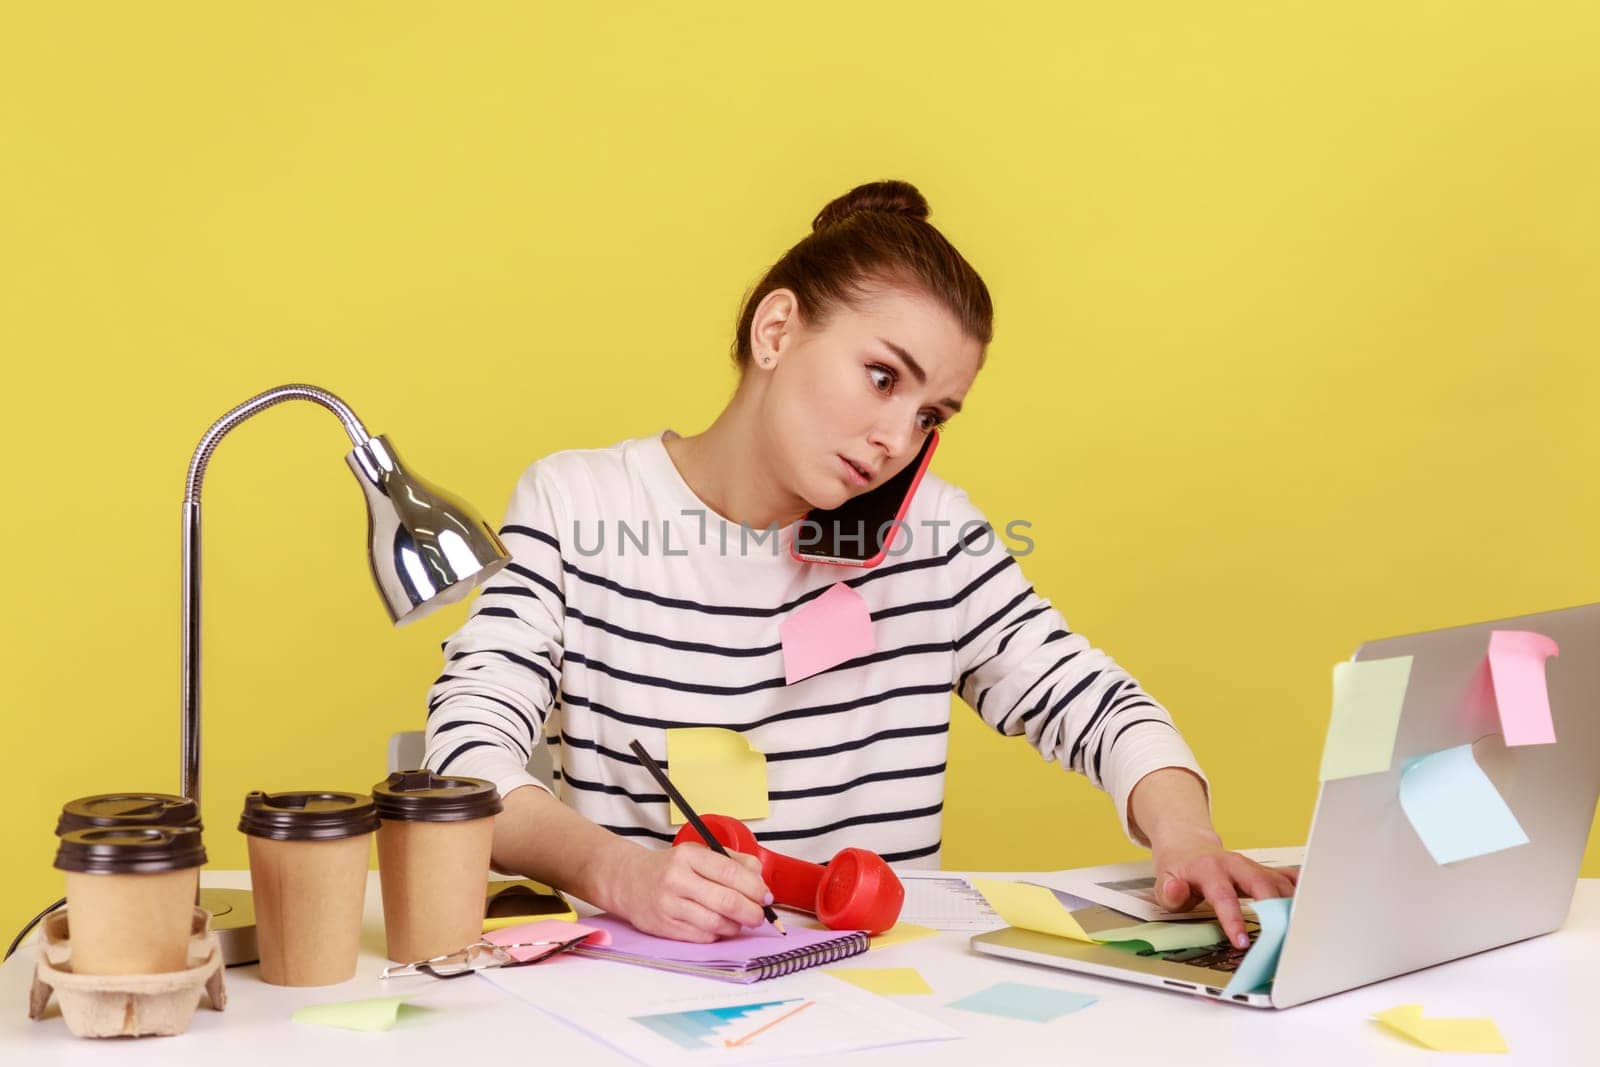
{"type": "Point", "coordinates": [308, 873]}
{"type": "Point", "coordinates": [434, 840]}
{"type": "Point", "coordinates": [130, 896]}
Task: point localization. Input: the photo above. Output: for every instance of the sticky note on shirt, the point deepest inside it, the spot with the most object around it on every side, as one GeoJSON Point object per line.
{"type": "Point", "coordinates": [831, 629]}
{"type": "Point", "coordinates": [1030, 907]}
{"type": "Point", "coordinates": [1516, 664]}
{"type": "Point", "coordinates": [378, 1013]}
{"type": "Point", "coordinates": [884, 981]}
{"type": "Point", "coordinates": [1260, 964]}
{"type": "Point", "coordinates": [717, 772]}
{"type": "Point", "coordinates": [1454, 807]}
{"type": "Point", "coordinates": [1367, 697]}
{"type": "Point", "coordinates": [1444, 1035]}
{"type": "Point", "coordinates": [1018, 1000]}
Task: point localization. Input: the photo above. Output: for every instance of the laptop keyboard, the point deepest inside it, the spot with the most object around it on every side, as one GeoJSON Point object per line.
{"type": "Point", "coordinates": [1224, 957]}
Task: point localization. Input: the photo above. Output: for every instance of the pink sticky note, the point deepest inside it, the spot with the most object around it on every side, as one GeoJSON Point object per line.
{"type": "Point", "coordinates": [545, 930]}
{"type": "Point", "coordinates": [831, 629]}
{"type": "Point", "coordinates": [1516, 663]}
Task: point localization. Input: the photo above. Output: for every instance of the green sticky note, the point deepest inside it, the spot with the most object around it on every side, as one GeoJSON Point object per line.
{"type": "Point", "coordinates": [1367, 697]}
{"type": "Point", "coordinates": [376, 1014]}
{"type": "Point", "coordinates": [1166, 936]}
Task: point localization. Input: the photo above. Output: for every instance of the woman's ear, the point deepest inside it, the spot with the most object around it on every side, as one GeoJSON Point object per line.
{"type": "Point", "coordinates": [773, 327]}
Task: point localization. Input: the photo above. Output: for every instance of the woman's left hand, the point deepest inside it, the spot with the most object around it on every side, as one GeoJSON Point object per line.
{"type": "Point", "coordinates": [1193, 866]}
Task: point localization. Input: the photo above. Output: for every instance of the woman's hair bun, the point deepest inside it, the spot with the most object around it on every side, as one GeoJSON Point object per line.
{"type": "Point", "coordinates": [890, 197]}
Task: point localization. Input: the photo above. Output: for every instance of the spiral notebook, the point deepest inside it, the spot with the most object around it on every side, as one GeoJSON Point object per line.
{"type": "Point", "coordinates": [749, 957]}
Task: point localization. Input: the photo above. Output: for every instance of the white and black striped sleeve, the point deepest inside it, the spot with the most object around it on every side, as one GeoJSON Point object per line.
{"type": "Point", "coordinates": [1026, 672]}
{"type": "Point", "coordinates": [502, 668]}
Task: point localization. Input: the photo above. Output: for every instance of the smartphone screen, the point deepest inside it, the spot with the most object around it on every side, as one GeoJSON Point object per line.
{"type": "Point", "coordinates": [860, 531]}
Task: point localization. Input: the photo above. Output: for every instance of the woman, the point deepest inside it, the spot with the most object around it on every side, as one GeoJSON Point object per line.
{"type": "Point", "coordinates": [647, 589]}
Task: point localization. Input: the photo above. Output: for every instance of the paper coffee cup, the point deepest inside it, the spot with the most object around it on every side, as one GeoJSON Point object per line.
{"type": "Point", "coordinates": [308, 873]}
{"type": "Point", "coordinates": [434, 840]}
{"type": "Point", "coordinates": [130, 896]}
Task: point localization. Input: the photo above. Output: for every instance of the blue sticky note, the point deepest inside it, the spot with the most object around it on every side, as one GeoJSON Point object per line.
{"type": "Point", "coordinates": [1255, 971]}
{"type": "Point", "coordinates": [1016, 1000]}
{"type": "Point", "coordinates": [1454, 807]}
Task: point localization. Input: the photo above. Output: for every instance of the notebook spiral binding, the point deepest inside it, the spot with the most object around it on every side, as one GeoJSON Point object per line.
{"type": "Point", "coordinates": [799, 959]}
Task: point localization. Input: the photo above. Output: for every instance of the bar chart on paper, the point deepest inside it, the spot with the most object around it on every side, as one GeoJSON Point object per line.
{"type": "Point", "coordinates": [745, 1028]}
{"type": "Point", "coordinates": [945, 902]}
{"type": "Point", "coordinates": [729, 1027]}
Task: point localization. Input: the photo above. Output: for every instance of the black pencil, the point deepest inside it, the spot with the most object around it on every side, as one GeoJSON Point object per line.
{"type": "Point", "coordinates": [694, 820]}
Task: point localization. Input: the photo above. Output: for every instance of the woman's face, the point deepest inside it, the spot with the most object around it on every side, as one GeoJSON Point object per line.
{"type": "Point", "coordinates": [848, 404]}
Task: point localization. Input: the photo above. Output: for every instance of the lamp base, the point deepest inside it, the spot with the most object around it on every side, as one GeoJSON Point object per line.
{"type": "Point", "coordinates": [233, 918]}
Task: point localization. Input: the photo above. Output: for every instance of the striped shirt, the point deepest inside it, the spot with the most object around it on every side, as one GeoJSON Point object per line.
{"type": "Point", "coordinates": [630, 608]}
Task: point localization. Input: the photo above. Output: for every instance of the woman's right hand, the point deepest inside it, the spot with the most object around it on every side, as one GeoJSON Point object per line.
{"type": "Point", "coordinates": [689, 893]}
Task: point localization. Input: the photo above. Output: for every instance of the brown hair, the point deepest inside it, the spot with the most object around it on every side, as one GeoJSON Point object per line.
{"type": "Point", "coordinates": [876, 233]}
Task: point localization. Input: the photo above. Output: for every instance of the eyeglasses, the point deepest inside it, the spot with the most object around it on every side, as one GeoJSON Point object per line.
{"type": "Point", "coordinates": [481, 955]}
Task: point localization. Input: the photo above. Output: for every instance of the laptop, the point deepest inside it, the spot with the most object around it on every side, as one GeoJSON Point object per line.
{"type": "Point", "coordinates": [1371, 903]}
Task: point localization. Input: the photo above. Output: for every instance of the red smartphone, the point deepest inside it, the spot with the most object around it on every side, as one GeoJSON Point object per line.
{"type": "Point", "coordinates": [859, 532]}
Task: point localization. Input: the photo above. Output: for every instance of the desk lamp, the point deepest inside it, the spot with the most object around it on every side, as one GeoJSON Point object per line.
{"type": "Point", "coordinates": [427, 548]}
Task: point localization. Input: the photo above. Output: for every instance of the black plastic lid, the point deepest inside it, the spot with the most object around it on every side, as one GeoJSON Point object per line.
{"type": "Point", "coordinates": [130, 849]}
{"type": "Point", "coordinates": [127, 809]}
{"type": "Point", "coordinates": [308, 816]}
{"type": "Point", "coordinates": [422, 796]}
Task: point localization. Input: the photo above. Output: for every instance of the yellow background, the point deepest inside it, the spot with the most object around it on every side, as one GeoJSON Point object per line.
{"type": "Point", "coordinates": [1296, 340]}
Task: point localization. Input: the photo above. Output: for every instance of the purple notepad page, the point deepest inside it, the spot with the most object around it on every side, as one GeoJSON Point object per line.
{"type": "Point", "coordinates": [739, 951]}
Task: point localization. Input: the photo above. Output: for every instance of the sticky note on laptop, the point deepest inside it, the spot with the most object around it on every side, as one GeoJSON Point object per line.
{"type": "Point", "coordinates": [1165, 936]}
{"type": "Point", "coordinates": [1030, 907]}
{"type": "Point", "coordinates": [831, 629]}
{"type": "Point", "coordinates": [718, 771]}
{"type": "Point", "coordinates": [1454, 807]}
{"type": "Point", "coordinates": [1516, 664]}
{"type": "Point", "coordinates": [1256, 971]}
{"type": "Point", "coordinates": [1367, 697]}
{"type": "Point", "coordinates": [1037, 908]}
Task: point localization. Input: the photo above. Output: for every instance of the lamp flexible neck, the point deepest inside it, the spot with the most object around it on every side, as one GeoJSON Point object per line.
{"type": "Point", "coordinates": [255, 405]}
{"type": "Point", "coordinates": [189, 755]}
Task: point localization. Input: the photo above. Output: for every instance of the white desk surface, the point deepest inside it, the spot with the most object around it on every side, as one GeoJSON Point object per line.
{"type": "Point", "coordinates": [1543, 993]}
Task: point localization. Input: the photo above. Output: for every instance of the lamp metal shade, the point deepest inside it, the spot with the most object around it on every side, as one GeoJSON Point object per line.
{"type": "Point", "coordinates": [427, 546]}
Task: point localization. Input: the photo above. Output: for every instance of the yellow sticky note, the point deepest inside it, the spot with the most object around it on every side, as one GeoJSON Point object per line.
{"type": "Point", "coordinates": [1030, 907]}
{"type": "Point", "coordinates": [899, 934]}
{"type": "Point", "coordinates": [1445, 1035]}
{"type": "Point", "coordinates": [376, 1014]}
{"type": "Point", "coordinates": [1367, 698]}
{"type": "Point", "coordinates": [885, 981]}
{"type": "Point", "coordinates": [717, 772]}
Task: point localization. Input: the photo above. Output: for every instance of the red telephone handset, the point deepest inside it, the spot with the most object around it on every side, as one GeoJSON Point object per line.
{"type": "Point", "coordinates": [857, 890]}
{"type": "Point", "coordinates": [858, 532]}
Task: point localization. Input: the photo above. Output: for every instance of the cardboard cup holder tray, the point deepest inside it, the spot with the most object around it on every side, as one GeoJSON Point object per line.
{"type": "Point", "coordinates": [126, 1005]}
